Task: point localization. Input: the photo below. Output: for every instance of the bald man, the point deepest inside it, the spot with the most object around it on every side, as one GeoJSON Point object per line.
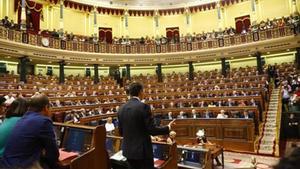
{"type": "Point", "coordinates": [32, 143]}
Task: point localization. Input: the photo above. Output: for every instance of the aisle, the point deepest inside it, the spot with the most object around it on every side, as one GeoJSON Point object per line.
{"type": "Point", "coordinates": [267, 141]}
{"type": "Point", "coordinates": [239, 160]}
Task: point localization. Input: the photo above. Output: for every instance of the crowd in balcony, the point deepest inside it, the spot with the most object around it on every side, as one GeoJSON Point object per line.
{"type": "Point", "coordinates": [292, 21]}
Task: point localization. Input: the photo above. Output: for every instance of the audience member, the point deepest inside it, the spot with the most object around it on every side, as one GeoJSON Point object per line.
{"type": "Point", "coordinates": [36, 145]}
{"type": "Point", "coordinates": [13, 114]}
{"type": "Point", "coordinates": [171, 138]}
{"type": "Point", "coordinates": [222, 115]}
{"type": "Point", "coordinates": [109, 125]}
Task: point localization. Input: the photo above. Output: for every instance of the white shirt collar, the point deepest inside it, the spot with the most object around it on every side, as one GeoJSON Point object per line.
{"type": "Point", "coordinates": [136, 98]}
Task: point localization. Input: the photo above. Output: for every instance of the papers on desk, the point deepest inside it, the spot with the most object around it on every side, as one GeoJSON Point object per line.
{"type": "Point", "coordinates": [158, 162]}
{"type": "Point", "coordinates": [63, 155]}
{"type": "Point", "coordinates": [118, 156]}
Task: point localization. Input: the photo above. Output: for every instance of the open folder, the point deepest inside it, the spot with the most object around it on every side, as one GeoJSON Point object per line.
{"type": "Point", "coordinates": [63, 155]}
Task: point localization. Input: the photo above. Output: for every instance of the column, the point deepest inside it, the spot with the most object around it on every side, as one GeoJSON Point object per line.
{"type": "Point", "coordinates": [259, 62]}
{"type": "Point", "coordinates": [297, 59]}
{"type": "Point", "coordinates": [188, 20]}
{"type": "Point", "coordinates": [62, 71]}
{"type": "Point", "coordinates": [159, 72]}
{"type": "Point", "coordinates": [23, 16]}
{"type": "Point", "coordinates": [220, 15]}
{"type": "Point", "coordinates": [61, 15]}
{"type": "Point", "coordinates": [224, 67]}
{"type": "Point", "coordinates": [1, 9]}
{"type": "Point", "coordinates": [156, 23]}
{"type": "Point", "coordinates": [23, 62]}
{"type": "Point", "coordinates": [95, 22]}
{"type": "Point", "coordinates": [191, 71]}
{"type": "Point", "coordinates": [128, 76]}
{"type": "Point", "coordinates": [126, 15]}
{"type": "Point", "coordinates": [293, 6]}
{"type": "Point", "coordinates": [254, 10]}
{"type": "Point", "coordinates": [96, 73]}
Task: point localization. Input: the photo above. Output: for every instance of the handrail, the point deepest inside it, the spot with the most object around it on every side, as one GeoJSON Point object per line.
{"type": "Point", "coordinates": [278, 123]}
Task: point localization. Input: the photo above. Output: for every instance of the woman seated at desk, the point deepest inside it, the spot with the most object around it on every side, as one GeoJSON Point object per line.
{"type": "Point", "coordinates": [202, 141]}
{"type": "Point", "coordinates": [171, 138]}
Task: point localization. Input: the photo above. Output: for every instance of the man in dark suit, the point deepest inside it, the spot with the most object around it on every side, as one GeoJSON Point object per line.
{"type": "Point", "coordinates": [32, 142]}
{"type": "Point", "coordinates": [136, 124]}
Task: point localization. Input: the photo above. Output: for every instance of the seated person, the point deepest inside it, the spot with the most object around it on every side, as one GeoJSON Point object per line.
{"type": "Point", "coordinates": [207, 114]}
{"type": "Point", "coordinates": [2, 108]}
{"type": "Point", "coordinates": [171, 138]}
{"type": "Point", "coordinates": [246, 115]}
{"type": "Point", "coordinates": [181, 115]}
{"type": "Point", "coordinates": [15, 111]}
{"type": "Point", "coordinates": [195, 114]}
{"type": "Point", "coordinates": [109, 125]}
{"type": "Point", "coordinates": [202, 140]}
{"type": "Point", "coordinates": [222, 115]}
{"type": "Point", "coordinates": [170, 117]}
{"type": "Point", "coordinates": [36, 143]}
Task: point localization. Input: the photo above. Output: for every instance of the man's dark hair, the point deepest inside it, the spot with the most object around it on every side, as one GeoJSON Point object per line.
{"type": "Point", "coordinates": [38, 103]}
{"type": "Point", "coordinates": [290, 162]}
{"type": "Point", "coordinates": [2, 100]}
{"type": "Point", "coordinates": [134, 89]}
{"type": "Point", "coordinates": [17, 108]}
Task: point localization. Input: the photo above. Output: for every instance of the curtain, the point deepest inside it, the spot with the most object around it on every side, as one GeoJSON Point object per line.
{"type": "Point", "coordinates": [172, 34]}
{"type": "Point", "coordinates": [105, 35]}
{"type": "Point", "coordinates": [242, 23]}
{"type": "Point", "coordinates": [33, 14]}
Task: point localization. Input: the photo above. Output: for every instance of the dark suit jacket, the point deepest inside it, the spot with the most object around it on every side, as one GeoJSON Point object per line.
{"type": "Point", "coordinates": [136, 125]}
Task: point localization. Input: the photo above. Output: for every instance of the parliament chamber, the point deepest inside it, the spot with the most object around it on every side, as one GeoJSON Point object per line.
{"type": "Point", "coordinates": [223, 75]}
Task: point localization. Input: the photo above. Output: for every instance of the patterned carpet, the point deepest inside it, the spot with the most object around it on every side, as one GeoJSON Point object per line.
{"type": "Point", "coordinates": [243, 161]}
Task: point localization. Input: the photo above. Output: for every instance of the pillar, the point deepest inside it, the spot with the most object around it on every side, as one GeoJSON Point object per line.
{"type": "Point", "coordinates": [23, 72]}
{"type": "Point", "coordinates": [191, 71]}
{"type": "Point", "coordinates": [23, 16]}
{"type": "Point", "coordinates": [224, 67]}
{"type": "Point", "coordinates": [259, 62]}
{"type": "Point", "coordinates": [220, 16]}
{"type": "Point", "coordinates": [159, 72]}
{"type": "Point", "coordinates": [254, 9]}
{"type": "Point", "coordinates": [297, 55]}
{"type": "Point", "coordinates": [95, 22]}
{"type": "Point", "coordinates": [61, 15]}
{"type": "Point", "coordinates": [156, 21]}
{"type": "Point", "coordinates": [96, 73]}
{"type": "Point", "coordinates": [293, 7]}
{"type": "Point", "coordinates": [62, 71]}
{"type": "Point", "coordinates": [128, 76]}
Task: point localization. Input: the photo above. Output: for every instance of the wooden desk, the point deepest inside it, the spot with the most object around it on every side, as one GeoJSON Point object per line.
{"type": "Point", "coordinates": [93, 148]}
{"type": "Point", "coordinates": [232, 134]}
{"type": "Point", "coordinates": [171, 152]}
{"type": "Point", "coordinates": [215, 151]}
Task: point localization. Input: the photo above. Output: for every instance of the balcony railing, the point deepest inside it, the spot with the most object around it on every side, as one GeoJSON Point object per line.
{"type": "Point", "coordinates": [50, 42]}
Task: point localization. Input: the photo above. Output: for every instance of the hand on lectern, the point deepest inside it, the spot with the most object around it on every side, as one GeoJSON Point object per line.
{"type": "Point", "coordinates": [171, 124]}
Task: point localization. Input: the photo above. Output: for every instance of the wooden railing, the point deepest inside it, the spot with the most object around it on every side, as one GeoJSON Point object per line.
{"type": "Point", "coordinates": [50, 42]}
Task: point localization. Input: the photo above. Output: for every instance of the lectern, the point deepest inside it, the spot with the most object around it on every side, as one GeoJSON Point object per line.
{"type": "Point", "coordinates": [165, 155]}
{"type": "Point", "coordinates": [88, 142]}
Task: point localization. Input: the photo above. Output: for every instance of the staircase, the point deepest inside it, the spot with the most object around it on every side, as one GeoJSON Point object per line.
{"type": "Point", "coordinates": [269, 135]}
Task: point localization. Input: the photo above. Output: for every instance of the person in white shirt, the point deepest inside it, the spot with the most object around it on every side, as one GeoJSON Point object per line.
{"type": "Point", "coordinates": [9, 99]}
{"type": "Point", "coordinates": [222, 115]}
{"type": "Point", "coordinates": [109, 126]}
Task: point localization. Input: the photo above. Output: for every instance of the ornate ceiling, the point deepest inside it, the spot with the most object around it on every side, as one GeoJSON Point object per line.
{"type": "Point", "coordinates": [145, 4]}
